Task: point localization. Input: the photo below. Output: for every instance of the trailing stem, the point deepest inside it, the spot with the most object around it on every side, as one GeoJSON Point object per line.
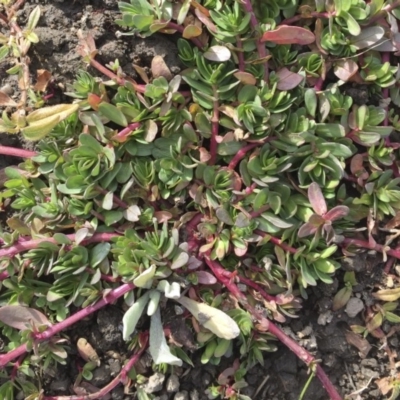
{"type": "Point", "coordinates": [120, 378]}
{"type": "Point", "coordinates": [371, 246]}
{"type": "Point", "coordinates": [262, 53]}
{"type": "Point", "coordinates": [269, 326]}
{"type": "Point", "coordinates": [26, 245]}
{"type": "Point", "coordinates": [110, 298]}
{"type": "Point", "coordinates": [15, 152]}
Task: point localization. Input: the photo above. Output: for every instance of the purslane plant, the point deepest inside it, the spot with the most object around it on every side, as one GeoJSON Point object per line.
{"type": "Point", "coordinates": [228, 189]}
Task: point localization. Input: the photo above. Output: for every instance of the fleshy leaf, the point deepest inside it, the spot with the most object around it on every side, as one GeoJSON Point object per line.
{"type": "Point", "coordinates": [211, 318]}
{"type": "Point", "coordinates": [20, 317]}
{"type": "Point", "coordinates": [158, 348]}
{"type": "Point", "coordinates": [218, 53]}
{"type": "Point", "coordinates": [286, 34]}
{"type": "Point", "coordinates": [145, 279]}
{"type": "Point", "coordinates": [171, 291]}
{"type": "Point", "coordinates": [132, 315]}
{"type": "Point", "coordinates": [317, 199]}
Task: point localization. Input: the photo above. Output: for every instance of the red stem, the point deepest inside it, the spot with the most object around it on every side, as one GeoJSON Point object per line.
{"type": "Point", "coordinates": [12, 151]}
{"type": "Point", "coordinates": [254, 285]}
{"type": "Point", "coordinates": [366, 245]}
{"type": "Point", "coordinates": [277, 241]}
{"type": "Point", "coordinates": [244, 150]}
{"type": "Point", "coordinates": [241, 154]}
{"type": "Point", "coordinates": [262, 53]}
{"type": "Point", "coordinates": [73, 319]}
{"type": "Point", "coordinates": [19, 247]}
{"type": "Point", "coordinates": [120, 378]}
{"type": "Point", "coordinates": [122, 135]}
{"type": "Point", "coordinates": [305, 356]}
{"type": "Point", "coordinates": [301, 353]}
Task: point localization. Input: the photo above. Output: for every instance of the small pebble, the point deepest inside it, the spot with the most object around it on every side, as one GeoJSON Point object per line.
{"type": "Point", "coordinates": [172, 384]}
{"type": "Point", "coordinates": [353, 307]}
{"type": "Point", "coordinates": [194, 395]}
{"type": "Point", "coordinates": [155, 383]}
{"type": "Point", "coordinates": [184, 395]}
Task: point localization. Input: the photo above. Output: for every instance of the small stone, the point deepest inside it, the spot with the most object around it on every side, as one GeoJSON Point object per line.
{"type": "Point", "coordinates": [60, 385]}
{"type": "Point", "coordinates": [353, 307]}
{"type": "Point", "coordinates": [369, 362]}
{"type": "Point", "coordinates": [172, 384]}
{"type": "Point", "coordinates": [184, 395]}
{"type": "Point", "coordinates": [155, 383]}
{"type": "Point", "coordinates": [325, 318]}
{"type": "Point", "coordinates": [194, 395]}
{"type": "Point", "coordinates": [115, 367]}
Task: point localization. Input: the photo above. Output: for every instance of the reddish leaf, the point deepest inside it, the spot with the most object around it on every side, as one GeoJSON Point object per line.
{"type": "Point", "coordinates": [43, 79]}
{"type": "Point", "coordinates": [21, 318]}
{"type": "Point", "coordinates": [345, 69]}
{"type": "Point", "coordinates": [288, 80]}
{"type": "Point", "coordinates": [205, 20]}
{"type": "Point", "coordinates": [358, 341]}
{"type": "Point", "coordinates": [317, 199]}
{"type": "Point", "coordinates": [191, 31]}
{"type": "Point", "coordinates": [6, 100]}
{"type": "Point", "coordinates": [307, 229]}
{"type": "Point", "coordinates": [286, 34]}
{"type": "Point", "coordinates": [336, 213]}
{"type": "Point", "coordinates": [205, 278]}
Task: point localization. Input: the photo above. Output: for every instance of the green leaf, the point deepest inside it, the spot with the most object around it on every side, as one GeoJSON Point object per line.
{"type": "Point", "coordinates": [60, 238]}
{"type": "Point", "coordinates": [113, 113]}
{"type": "Point", "coordinates": [42, 121]}
{"type": "Point", "coordinates": [98, 253]}
{"type": "Point", "coordinates": [158, 347]}
{"type": "Point", "coordinates": [112, 217]}
{"type": "Point", "coordinates": [145, 279]}
{"type": "Point", "coordinates": [352, 24]}
{"type": "Point", "coordinates": [33, 18]}
{"type": "Point", "coordinates": [310, 99]}
{"type": "Point", "coordinates": [90, 141]}
{"type": "Point", "coordinates": [4, 50]}
{"type": "Point", "coordinates": [212, 318]}
{"type": "Point", "coordinates": [133, 314]}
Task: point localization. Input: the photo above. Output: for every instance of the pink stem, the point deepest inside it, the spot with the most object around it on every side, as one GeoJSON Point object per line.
{"type": "Point", "coordinates": [122, 135]}
{"type": "Point", "coordinates": [32, 244]}
{"type": "Point", "coordinates": [301, 353]}
{"type": "Point", "coordinates": [389, 265]}
{"type": "Point", "coordinates": [12, 151]}
{"type": "Point", "coordinates": [121, 81]}
{"type": "Point", "coordinates": [244, 150]}
{"type": "Point", "coordinates": [366, 245]}
{"type": "Point", "coordinates": [250, 283]}
{"type": "Point", "coordinates": [262, 53]}
{"type": "Point", "coordinates": [277, 241]}
{"type": "Point", "coordinates": [241, 154]}
{"type": "Point", "coordinates": [73, 319]}
{"type": "Point", "coordinates": [120, 378]}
